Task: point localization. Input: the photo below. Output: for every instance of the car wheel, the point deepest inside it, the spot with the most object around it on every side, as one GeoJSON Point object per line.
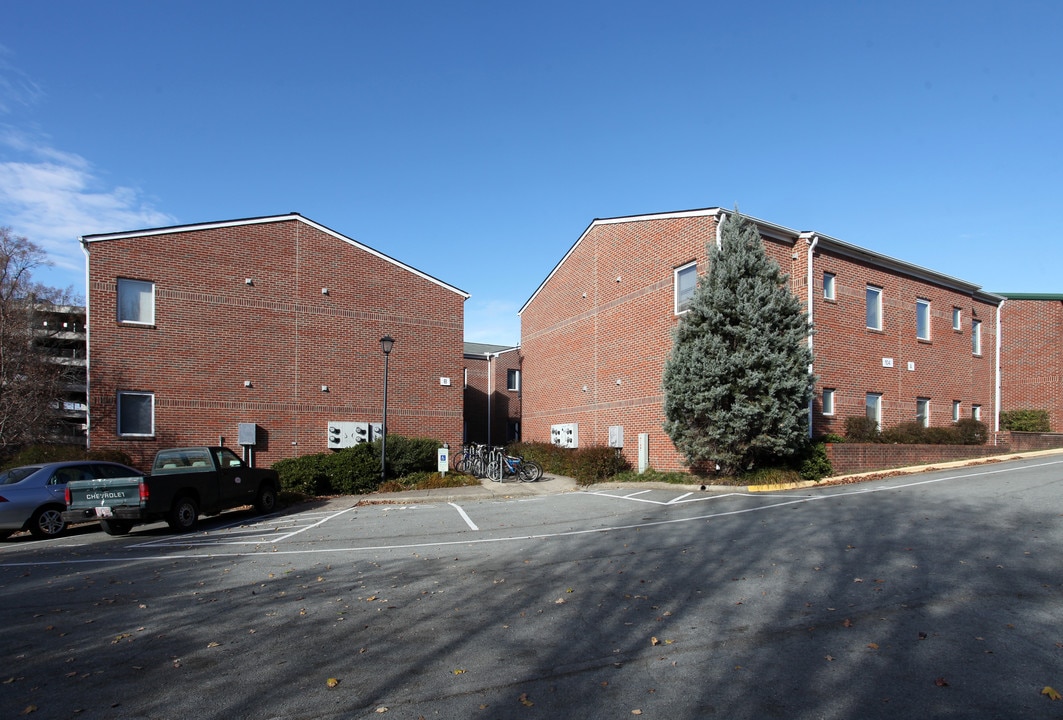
{"type": "Point", "coordinates": [183, 515]}
{"type": "Point", "coordinates": [116, 527]}
{"type": "Point", "coordinates": [47, 522]}
{"type": "Point", "coordinates": [266, 502]}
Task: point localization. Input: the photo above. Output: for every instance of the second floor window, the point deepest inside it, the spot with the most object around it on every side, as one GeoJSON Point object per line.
{"type": "Point", "coordinates": [136, 301]}
{"type": "Point", "coordinates": [828, 286]}
{"type": "Point", "coordinates": [922, 319]}
{"type": "Point", "coordinates": [874, 308]}
{"type": "Point", "coordinates": [686, 280]}
{"type": "Point", "coordinates": [136, 413]}
{"type": "Point", "coordinates": [513, 380]}
{"type": "Point", "coordinates": [976, 337]}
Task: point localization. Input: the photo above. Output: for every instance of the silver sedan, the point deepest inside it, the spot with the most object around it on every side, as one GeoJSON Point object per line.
{"type": "Point", "coordinates": [32, 497]}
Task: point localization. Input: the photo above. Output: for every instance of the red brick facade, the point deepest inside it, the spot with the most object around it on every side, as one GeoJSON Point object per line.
{"type": "Point", "coordinates": [273, 321]}
{"type": "Point", "coordinates": [1031, 355]}
{"type": "Point", "coordinates": [493, 374]}
{"type": "Point", "coordinates": [597, 332]}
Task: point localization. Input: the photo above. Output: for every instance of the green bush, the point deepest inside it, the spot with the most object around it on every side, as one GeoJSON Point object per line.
{"type": "Point", "coordinates": [587, 465]}
{"type": "Point", "coordinates": [354, 470]}
{"type": "Point", "coordinates": [861, 429]}
{"type": "Point", "coordinates": [813, 462]}
{"type": "Point", "coordinates": [907, 433]}
{"type": "Point", "coordinates": [971, 432]}
{"type": "Point", "coordinates": [1025, 420]}
{"type": "Point", "coordinates": [410, 455]}
{"type": "Point", "coordinates": [304, 475]}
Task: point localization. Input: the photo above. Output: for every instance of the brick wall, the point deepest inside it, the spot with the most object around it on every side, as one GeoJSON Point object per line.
{"type": "Point", "coordinates": [1026, 441]}
{"type": "Point", "coordinates": [596, 334]}
{"type": "Point", "coordinates": [213, 331]}
{"type": "Point", "coordinates": [1031, 363]}
{"type": "Point", "coordinates": [851, 458]}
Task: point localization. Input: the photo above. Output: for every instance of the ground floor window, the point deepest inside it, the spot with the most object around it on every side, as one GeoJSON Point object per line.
{"type": "Point", "coordinates": [922, 411]}
{"type": "Point", "coordinates": [136, 414]}
{"type": "Point", "coordinates": [828, 401]}
{"type": "Point", "coordinates": [874, 408]}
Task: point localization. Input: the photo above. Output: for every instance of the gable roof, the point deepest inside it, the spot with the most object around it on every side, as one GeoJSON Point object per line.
{"type": "Point", "coordinates": [779, 232]}
{"type": "Point", "coordinates": [296, 217]}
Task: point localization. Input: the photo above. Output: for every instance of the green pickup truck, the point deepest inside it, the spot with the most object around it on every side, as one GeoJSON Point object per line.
{"type": "Point", "coordinates": [183, 483]}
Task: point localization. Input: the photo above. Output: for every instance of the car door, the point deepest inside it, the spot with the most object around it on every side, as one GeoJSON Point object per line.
{"type": "Point", "coordinates": [234, 484]}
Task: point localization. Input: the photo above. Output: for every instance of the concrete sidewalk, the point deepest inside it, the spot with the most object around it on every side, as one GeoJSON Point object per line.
{"type": "Point", "coordinates": [551, 484]}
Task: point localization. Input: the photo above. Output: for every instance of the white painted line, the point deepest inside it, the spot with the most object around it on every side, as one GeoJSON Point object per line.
{"type": "Point", "coordinates": [679, 499]}
{"type": "Point", "coordinates": [464, 516]}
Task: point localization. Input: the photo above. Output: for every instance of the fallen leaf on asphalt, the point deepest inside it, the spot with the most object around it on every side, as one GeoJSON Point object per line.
{"type": "Point", "coordinates": [636, 712]}
{"type": "Point", "coordinates": [332, 682]}
{"type": "Point", "coordinates": [524, 700]}
{"type": "Point", "coordinates": [459, 671]}
{"type": "Point", "coordinates": [830, 658]}
{"type": "Point", "coordinates": [381, 709]}
{"type": "Point", "coordinates": [560, 601]}
{"type": "Point", "coordinates": [29, 709]}
{"type": "Point", "coordinates": [922, 636]}
{"type": "Point", "coordinates": [847, 623]}
{"type": "Point", "coordinates": [1051, 693]}
{"type": "Point", "coordinates": [654, 641]}
{"type": "Point", "coordinates": [213, 644]}
{"type": "Point", "coordinates": [941, 682]}
{"type": "Point", "coordinates": [873, 646]}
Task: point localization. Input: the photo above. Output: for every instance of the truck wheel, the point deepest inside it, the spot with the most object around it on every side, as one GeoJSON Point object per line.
{"type": "Point", "coordinates": [266, 502]}
{"type": "Point", "coordinates": [183, 515]}
{"type": "Point", "coordinates": [47, 522]}
{"type": "Point", "coordinates": [116, 527]}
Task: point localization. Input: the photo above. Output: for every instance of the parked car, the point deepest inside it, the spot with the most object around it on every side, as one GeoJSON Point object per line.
{"type": "Point", "coordinates": [32, 497]}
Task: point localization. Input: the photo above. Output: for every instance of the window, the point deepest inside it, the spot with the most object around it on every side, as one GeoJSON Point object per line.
{"type": "Point", "coordinates": [957, 319]}
{"type": "Point", "coordinates": [922, 319]}
{"type": "Point", "coordinates": [874, 408]}
{"type": "Point", "coordinates": [136, 302]}
{"type": "Point", "coordinates": [922, 411]}
{"type": "Point", "coordinates": [976, 337]}
{"type": "Point", "coordinates": [686, 279]}
{"type": "Point", "coordinates": [513, 380]}
{"type": "Point", "coordinates": [955, 411]}
{"type": "Point", "coordinates": [828, 401]}
{"type": "Point", "coordinates": [136, 413]}
{"type": "Point", "coordinates": [976, 412]}
{"type": "Point", "coordinates": [465, 377]}
{"type": "Point", "coordinates": [828, 286]}
{"type": "Point", "coordinates": [874, 308]}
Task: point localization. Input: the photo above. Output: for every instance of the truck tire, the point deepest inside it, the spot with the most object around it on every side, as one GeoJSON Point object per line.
{"type": "Point", "coordinates": [184, 515]}
{"type": "Point", "coordinates": [266, 502]}
{"type": "Point", "coordinates": [116, 527]}
{"type": "Point", "coordinates": [47, 522]}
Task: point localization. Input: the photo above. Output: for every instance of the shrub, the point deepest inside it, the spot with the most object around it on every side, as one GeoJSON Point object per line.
{"type": "Point", "coordinates": [1025, 421]}
{"type": "Point", "coordinates": [908, 433]}
{"type": "Point", "coordinates": [813, 462]}
{"type": "Point", "coordinates": [587, 465]}
{"type": "Point", "coordinates": [861, 429]}
{"type": "Point", "coordinates": [971, 432]}
{"type": "Point", "coordinates": [354, 470]}
{"type": "Point", "coordinates": [304, 475]}
{"type": "Point", "coordinates": [410, 455]}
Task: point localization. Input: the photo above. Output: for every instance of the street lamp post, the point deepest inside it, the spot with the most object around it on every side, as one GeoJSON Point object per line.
{"type": "Point", "coordinates": [386, 343]}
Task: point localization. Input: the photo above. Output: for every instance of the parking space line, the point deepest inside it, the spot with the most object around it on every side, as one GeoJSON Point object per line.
{"type": "Point", "coordinates": [464, 516]}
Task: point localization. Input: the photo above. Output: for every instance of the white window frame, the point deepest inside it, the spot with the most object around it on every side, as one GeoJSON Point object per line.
{"type": "Point", "coordinates": [976, 337]}
{"type": "Point", "coordinates": [513, 380]}
{"type": "Point", "coordinates": [682, 305]}
{"type": "Point", "coordinates": [828, 401]}
{"type": "Point", "coordinates": [873, 408]}
{"type": "Point", "coordinates": [465, 378]}
{"type": "Point", "coordinates": [955, 411]}
{"type": "Point", "coordinates": [119, 415]}
{"type": "Point", "coordinates": [829, 286]}
{"type": "Point", "coordinates": [922, 411]}
{"type": "Point", "coordinates": [922, 319]}
{"type": "Point", "coordinates": [957, 318]}
{"type": "Point", "coordinates": [976, 412]}
{"type": "Point", "coordinates": [135, 313]}
{"type": "Point", "coordinates": [873, 296]}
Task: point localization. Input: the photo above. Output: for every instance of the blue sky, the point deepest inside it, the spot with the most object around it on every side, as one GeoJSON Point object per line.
{"type": "Point", "coordinates": [477, 140]}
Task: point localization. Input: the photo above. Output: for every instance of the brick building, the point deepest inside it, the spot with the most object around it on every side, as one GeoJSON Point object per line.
{"type": "Point", "coordinates": [273, 323]}
{"type": "Point", "coordinates": [893, 340]}
{"type": "Point", "coordinates": [1031, 354]}
{"type": "Point", "coordinates": [492, 393]}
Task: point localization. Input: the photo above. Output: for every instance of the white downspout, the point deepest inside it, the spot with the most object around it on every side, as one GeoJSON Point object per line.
{"type": "Point", "coordinates": [811, 296]}
{"type": "Point", "coordinates": [488, 398]}
{"type": "Point", "coordinates": [88, 344]}
{"type": "Point", "coordinates": [996, 404]}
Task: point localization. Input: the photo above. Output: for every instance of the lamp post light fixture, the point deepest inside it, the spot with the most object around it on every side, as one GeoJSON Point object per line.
{"type": "Point", "coordinates": [386, 343]}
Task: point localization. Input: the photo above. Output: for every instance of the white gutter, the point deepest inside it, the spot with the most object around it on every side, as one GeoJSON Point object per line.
{"type": "Point", "coordinates": [996, 404]}
{"type": "Point", "coordinates": [88, 346]}
{"type": "Point", "coordinates": [811, 248]}
{"type": "Point", "coordinates": [489, 373]}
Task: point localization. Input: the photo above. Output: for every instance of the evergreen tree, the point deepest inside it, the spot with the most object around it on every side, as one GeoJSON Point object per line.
{"type": "Point", "coordinates": [737, 383]}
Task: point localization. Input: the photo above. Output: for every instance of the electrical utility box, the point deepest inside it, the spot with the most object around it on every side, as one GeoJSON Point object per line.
{"type": "Point", "coordinates": [342, 434]}
{"type": "Point", "coordinates": [247, 433]}
{"type": "Point", "coordinates": [565, 434]}
{"type": "Point", "coordinates": [616, 436]}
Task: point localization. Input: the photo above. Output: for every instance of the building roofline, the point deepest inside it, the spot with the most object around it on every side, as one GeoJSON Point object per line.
{"type": "Point", "coordinates": [1030, 296]}
{"type": "Point", "coordinates": [148, 232]}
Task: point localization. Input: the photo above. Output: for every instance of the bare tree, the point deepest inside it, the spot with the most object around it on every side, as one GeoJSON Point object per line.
{"type": "Point", "coordinates": [30, 385]}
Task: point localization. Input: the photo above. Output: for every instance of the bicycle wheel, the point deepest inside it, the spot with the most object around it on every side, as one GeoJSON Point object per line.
{"type": "Point", "coordinates": [531, 471]}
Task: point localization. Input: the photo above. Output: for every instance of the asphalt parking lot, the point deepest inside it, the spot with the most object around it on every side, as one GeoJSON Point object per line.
{"type": "Point", "coordinates": [929, 595]}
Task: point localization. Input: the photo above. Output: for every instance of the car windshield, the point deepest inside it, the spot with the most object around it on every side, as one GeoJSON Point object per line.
{"type": "Point", "coordinates": [14, 475]}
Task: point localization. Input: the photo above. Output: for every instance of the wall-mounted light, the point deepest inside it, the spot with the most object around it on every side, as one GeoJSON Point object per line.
{"type": "Point", "coordinates": [619, 381]}
{"type": "Point", "coordinates": [248, 281]}
{"type": "Point", "coordinates": [247, 383]}
{"type": "Point", "coordinates": [324, 291]}
{"type": "Point", "coordinates": [324, 388]}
